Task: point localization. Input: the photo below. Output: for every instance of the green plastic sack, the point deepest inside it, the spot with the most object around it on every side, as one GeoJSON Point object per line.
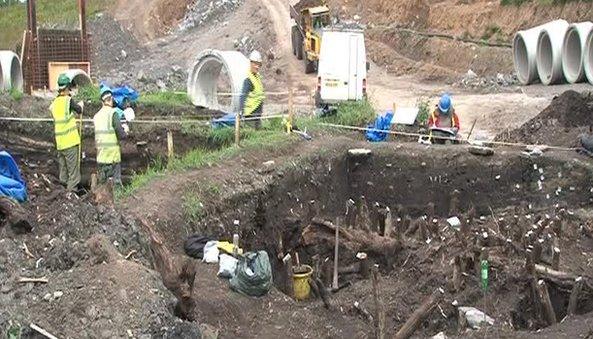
{"type": "Point", "coordinates": [253, 275]}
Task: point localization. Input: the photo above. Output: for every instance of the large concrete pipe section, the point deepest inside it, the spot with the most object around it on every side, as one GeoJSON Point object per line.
{"type": "Point", "coordinates": [525, 53]}
{"type": "Point", "coordinates": [11, 74]}
{"type": "Point", "coordinates": [78, 77]}
{"type": "Point", "coordinates": [203, 77]}
{"type": "Point", "coordinates": [588, 57]}
{"type": "Point", "coordinates": [549, 52]}
{"type": "Point", "coordinates": [573, 51]}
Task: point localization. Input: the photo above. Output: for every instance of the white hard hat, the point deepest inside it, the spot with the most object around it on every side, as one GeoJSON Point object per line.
{"type": "Point", "coordinates": [255, 56]}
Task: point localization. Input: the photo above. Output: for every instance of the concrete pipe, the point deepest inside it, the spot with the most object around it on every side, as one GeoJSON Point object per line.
{"type": "Point", "coordinates": [573, 51]}
{"type": "Point", "coordinates": [78, 77]}
{"type": "Point", "coordinates": [588, 57]}
{"type": "Point", "coordinates": [203, 78]}
{"type": "Point", "coordinates": [549, 52]}
{"type": "Point", "coordinates": [525, 52]}
{"type": "Point", "coordinates": [11, 74]}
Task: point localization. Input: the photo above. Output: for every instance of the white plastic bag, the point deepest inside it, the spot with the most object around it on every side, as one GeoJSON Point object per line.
{"type": "Point", "coordinates": [211, 252]}
{"type": "Point", "coordinates": [475, 318]}
{"type": "Point", "coordinates": [227, 265]}
{"type": "Point", "coordinates": [129, 114]}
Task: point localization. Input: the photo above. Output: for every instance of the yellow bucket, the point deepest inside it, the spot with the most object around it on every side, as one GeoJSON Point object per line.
{"type": "Point", "coordinates": [301, 275]}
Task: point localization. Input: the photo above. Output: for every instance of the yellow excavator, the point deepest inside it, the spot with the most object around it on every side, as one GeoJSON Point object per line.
{"type": "Point", "coordinates": [310, 17]}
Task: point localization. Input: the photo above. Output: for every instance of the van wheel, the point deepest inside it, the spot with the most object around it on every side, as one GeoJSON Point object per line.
{"type": "Point", "coordinates": [299, 46]}
{"type": "Point", "coordinates": [309, 66]}
{"type": "Point", "coordinates": [294, 33]}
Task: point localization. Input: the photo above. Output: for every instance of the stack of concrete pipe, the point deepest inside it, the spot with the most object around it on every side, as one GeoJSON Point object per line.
{"type": "Point", "coordinates": [555, 52]}
{"type": "Point", "coordinates": [11, 74]}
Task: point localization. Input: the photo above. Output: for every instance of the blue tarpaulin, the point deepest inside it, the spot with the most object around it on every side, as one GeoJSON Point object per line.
{"type": "Point", "coordinates": [382, 123]}
{"type": "Point", "coordinates": [121, 93]}
{"type": "Point", "coordinates": [228, 120]}
{"type": "Point", "coordinates": [12, 184]}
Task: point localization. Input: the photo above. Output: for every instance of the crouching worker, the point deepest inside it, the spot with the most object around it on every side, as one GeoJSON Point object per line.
{"type": "Point", "coordinates": [108, 133]}
{"type": "Point", "coordinates": [64, 111]}
{"type": "Point", "coordinates": [443, 122]}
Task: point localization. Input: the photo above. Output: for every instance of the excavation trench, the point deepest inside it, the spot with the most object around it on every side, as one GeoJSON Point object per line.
{"type": "Point", "coordinates": [283, 216]}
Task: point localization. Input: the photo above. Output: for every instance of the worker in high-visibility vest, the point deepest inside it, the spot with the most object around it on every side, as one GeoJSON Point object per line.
{"type": "Point", "coordinates": [108, 133]}
{"type": "Point", "coordinates": [444, 118]}
{"type": "Point", "coordinates": [64, 111]}
{"type": "Point", "coordinates": [253, 94]}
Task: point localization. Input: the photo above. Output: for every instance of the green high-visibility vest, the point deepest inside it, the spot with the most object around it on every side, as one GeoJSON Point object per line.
{"type": "Point", "coordinates": [64, 123]}
{"type": "Point", "coordinates": [108, 151]}
{"type": "Point", "coordinates": [256, 97]}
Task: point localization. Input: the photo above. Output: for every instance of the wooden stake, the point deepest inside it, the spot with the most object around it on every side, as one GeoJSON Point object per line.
{"type": "Point", "coordinates": [529, 263]}
{"type": "Point", "coordinates": [379, 309]}
{"type": "Point", "coordinates": [574, 296]}
{"type": "Point", "coordinates": [42, 331]}
{"type": "Point", "coordinates": [365, 267]}
{"type": "Point", "coordinates": [287, 261]}
{"type": "Point", "coordinates": [457, 274]}
{"type": "Point", "coordinates": [416, 318]}
{"type": "Point", "coordinates": [237, 129]}
{"type": "Point", "coordinates": [556, 258]}
{"type": "Point", "coordinates": [24, 280]}
{"type": "Point", "coordinates": [93, 182]}
{"type": "Point", "coordinates": [170, 151]}
{"type": "Point", "coordinates": [290, 111]}
{"type": "Point", "coordinates": [544, 297]}
{"type": "Point", "coordinates": [336, 245]}
{"type": "Point", "coordinates": [388, 224]}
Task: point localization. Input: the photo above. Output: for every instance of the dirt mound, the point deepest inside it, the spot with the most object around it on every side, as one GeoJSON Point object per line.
{"type": "Point", "coordinates": [569, 115]}
{"type": "Point", "coordinates": [571, 109]}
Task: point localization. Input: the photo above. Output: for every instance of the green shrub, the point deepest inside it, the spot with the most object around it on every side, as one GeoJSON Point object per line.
{"type": "Point", "coordinates": [352, 113]}
{"type": "Point", "coordinates": [423, 105]}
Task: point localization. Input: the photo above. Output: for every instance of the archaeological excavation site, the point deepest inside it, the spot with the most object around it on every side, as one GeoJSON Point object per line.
{"type": "Point", "coordinates": [296, 169]}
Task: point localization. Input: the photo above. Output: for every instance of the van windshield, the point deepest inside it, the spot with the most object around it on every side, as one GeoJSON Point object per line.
{"type": "Point", "coordinates": [320, 21]}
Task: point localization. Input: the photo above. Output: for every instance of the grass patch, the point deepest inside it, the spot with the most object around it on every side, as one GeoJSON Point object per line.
{"type": "Point", "coordinates": [352, 113]}
{"type": "Point", "coordinates": [193, 208]}
{"type": "Point", "coordinates": [197, 158]}
{"type": "Point", "coordinates": [16, 95]}
{"type": "Point", "coordinates": [50, 13]}
{"type": "Point", "coordinates": [423, 105]}
{"type": "Point", "coordinates": [492, 31]}
{"type": "Point", "coordinates": [90, 94]}
{"type": "Point", "coordinates": [164, 99]}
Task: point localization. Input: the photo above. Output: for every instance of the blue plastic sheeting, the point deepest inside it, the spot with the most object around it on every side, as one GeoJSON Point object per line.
{"type": "Point", "coordinates": [228, 120]}
{"type": "Point", "coordinates": [382, 123]}
{"type": "Point", "coordinates": [11, 183]}
{"type": "Point", "coordinates": [121, 93]}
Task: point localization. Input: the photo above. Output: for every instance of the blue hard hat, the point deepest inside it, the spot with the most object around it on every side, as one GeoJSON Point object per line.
{"type": "Point", "coordinates": [103, 90]}
{"type": "Point", "coordinates": [445, 103]}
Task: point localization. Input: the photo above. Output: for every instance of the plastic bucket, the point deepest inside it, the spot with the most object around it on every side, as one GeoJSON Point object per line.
{"type": "Point", "coordinates": [301, 275]}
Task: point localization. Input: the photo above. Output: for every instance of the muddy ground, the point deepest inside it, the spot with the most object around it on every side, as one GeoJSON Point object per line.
{"type": "Point", "coordinates": [85, 290]}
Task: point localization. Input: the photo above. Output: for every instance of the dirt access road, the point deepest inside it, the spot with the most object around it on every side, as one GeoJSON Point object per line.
{"type": "Point", "coordinates": [493, 112]}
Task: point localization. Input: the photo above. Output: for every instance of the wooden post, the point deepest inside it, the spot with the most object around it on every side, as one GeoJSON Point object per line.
{"type": "Point", "coordinates": [529, 263]}
{"type": "Point", "coordinates": [574, 296]}
{"type": "Point", "coordinates": [237, 129]}
{"type": "Point", "coordinates": [287, 261]}
{"type": "Point", "coordinates": [556, 258]}
{"type": "Point", "coordinates": [544, 297]}
{"type": "Point", "coordinates": [457, 273]}
{"type": "Point", "coordinates": [365, 267]}
{"type": "Point", "coordinates": [290, 111]}
{"type": "Point", "coordinates": [379, 309]}
{"type": "Point", "coordinates": [416, 318]}
{"type": "Point", "coordinates": [93, 182]}
{"type": "Point", "coordinates": [170, 150]}
{"type": "Point", "coordinates": [388, 224]}
{"type": "Point", "coordinates": [336, 245]}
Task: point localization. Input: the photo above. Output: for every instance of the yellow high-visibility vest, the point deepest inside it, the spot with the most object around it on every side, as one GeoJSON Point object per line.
{"type": "Point", "coordinates": [64, 123]}
{"type": "Point", "coordinates": [256, 97]}
{"type": "Point", "coordinates": [108, 151]}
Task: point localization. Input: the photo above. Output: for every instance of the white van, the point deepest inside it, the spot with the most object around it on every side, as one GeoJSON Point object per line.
{"type": "Point", "coordinates": [342, 69]}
